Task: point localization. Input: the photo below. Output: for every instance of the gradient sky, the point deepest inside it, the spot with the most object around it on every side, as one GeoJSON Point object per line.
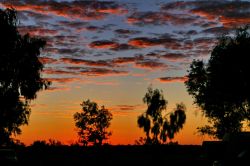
{"type": "Point", "coordinates": [111, 51]}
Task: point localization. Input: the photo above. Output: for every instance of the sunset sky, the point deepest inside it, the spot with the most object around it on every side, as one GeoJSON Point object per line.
{"type": "Point", "coordinates": [111, 51]}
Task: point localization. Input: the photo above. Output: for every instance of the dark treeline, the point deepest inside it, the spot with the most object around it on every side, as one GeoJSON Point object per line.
{"type": "Point", "coordinates": [113, 155]}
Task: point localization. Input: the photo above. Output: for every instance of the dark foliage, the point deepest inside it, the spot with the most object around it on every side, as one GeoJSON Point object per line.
{"type": "Point", "coordinates": [92, 123]}
{"type": "Point", "coordinates": [113, 155]}
{"type": "Point", "coordinates": [156, 126]}
{"type": "Point", "coordinates": [221, 86]}
{"type": "Point", "coordinates": [20, 75]}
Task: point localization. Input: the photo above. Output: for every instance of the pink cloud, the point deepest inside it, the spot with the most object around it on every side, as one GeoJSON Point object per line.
{"type": "Point", "coordinates": [74, 61]}
{"type": "Point", "coordinates": [37, 31]}
{"type": "Point", "coordinates": [47, 60]}
{"type": "Point", "coordinates": [85, 10]}
{"type": "Point", "coordinates": [165, 41]}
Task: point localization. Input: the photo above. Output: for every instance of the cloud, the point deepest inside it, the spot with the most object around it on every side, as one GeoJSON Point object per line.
{"type": "Point", "coordinates": [58, 72]}
{"type": "Point", "coordinates": [37, 31]}
{"type": "Point", "coordinates": [80, 26]}
{"type": "Point", "coordinates": [126, 110]}
{"type": "Point", "coordinates": [49, 48]}
{"type": "Point", "coordinates": [88, 71]}
{"type": "Point", "coordinates": [67, 50]}
{"type": "Point", "coordinates": [74, 68]}
{"type": "Point", "coordinates": [188, 45]}
{"type": "Point", "coordinates": [150, 64]}
{"type": "Point", "coordinates": [144, 42]}
{"type": "Point", "coordinates": [217, 30]}
{"type": "Point", "coordinates": [170, 56]}
{"type": "Point", "coordinates": [93, 28]}
{"type": "Point", "coordinates": [102, 72]}
{"type": "Point", "coordinates": [174, 5]}
{"type": "Point", "coordinates": [123, 47]}
{"type": "Point", "coordinates": [124, 107]}
{"type": "Point", "coordinates": [98, 63]}
{"type": "Point", "coordinates": [204, 42]}
{"type": "Point", "coordinates": [158, 18]}
{"type": "Point", "coordinates": [47, 60]}
{"type": "Point", "coordinates": [172, 79]}
{"type": "Point", "coordinates": [187, 33]}
{"type": "Point", "coordinates": [73, 24]}
{"type": "Point", "coordinates": [126, 32]}
{"type": "Point", "coordinates": [85, 10]}
{"type": "Point", "coordinates": [174, 56]}
{"type": "Point", "coordinates": [103, 44]}
{"type": "Point", "coordinates": [138, 61]}
{"type": "Point", "coordinates": [92, 71]}
{"type": "Point", "coordinates": [208, 24]}
{"type": "Point", "coordinates": [56, 89]}
{"type": "Point", "coordinates": [145, 18]}
{"type": "Point", "coordinates": [36, 16]}
{"type": "Point", "coordinates": [228, 13]}
{"type": "Point", "coordinates": [106, 83]}
{"type": "Point", "coordinates": [107, 44]}
{"type": "Point", "coordinates": [117, 10]}
{"type": "Point", "coordinates": [64, 42]}
{"type": "Point", "coordinates": [63, 80]}
{"type": "Point", "coordinates": [126, 60]}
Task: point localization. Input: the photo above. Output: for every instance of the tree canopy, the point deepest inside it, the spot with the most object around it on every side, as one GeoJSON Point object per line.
{"type": "Point", "coordinates": [20, 74]}
{"type": "Point", "coordinates": [159, 127]}
{"type": "Point", "coordinates": [92, 123]}
{"type": "Point", "coordinates": [221, 86]}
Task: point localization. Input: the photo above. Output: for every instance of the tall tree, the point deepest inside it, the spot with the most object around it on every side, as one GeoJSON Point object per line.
{"type": "Point", "coordinates": [221, 87]}
{"type": "Point", "coordinates": [159, 127]}
{"type": "Point", "coordinates": [92, 123]}
{"type": "Point", "coordinates": [20, 75]}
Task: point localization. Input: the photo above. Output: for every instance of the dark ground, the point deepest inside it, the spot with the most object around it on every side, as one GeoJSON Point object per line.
{"type": "Point", "coordinates": [169, 155]}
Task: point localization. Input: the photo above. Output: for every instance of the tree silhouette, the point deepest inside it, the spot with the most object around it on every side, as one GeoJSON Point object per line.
{"type": "Point", "coordinates": [39, 144]}
{"type": "Point", "coordinates": [92, 123]}
{"type": "Point", "coordinates": [221, 86]}
{"type": "Point", "coordinates": [20, 75]}
{"type": "Point", "coordinates": [156, 126]}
